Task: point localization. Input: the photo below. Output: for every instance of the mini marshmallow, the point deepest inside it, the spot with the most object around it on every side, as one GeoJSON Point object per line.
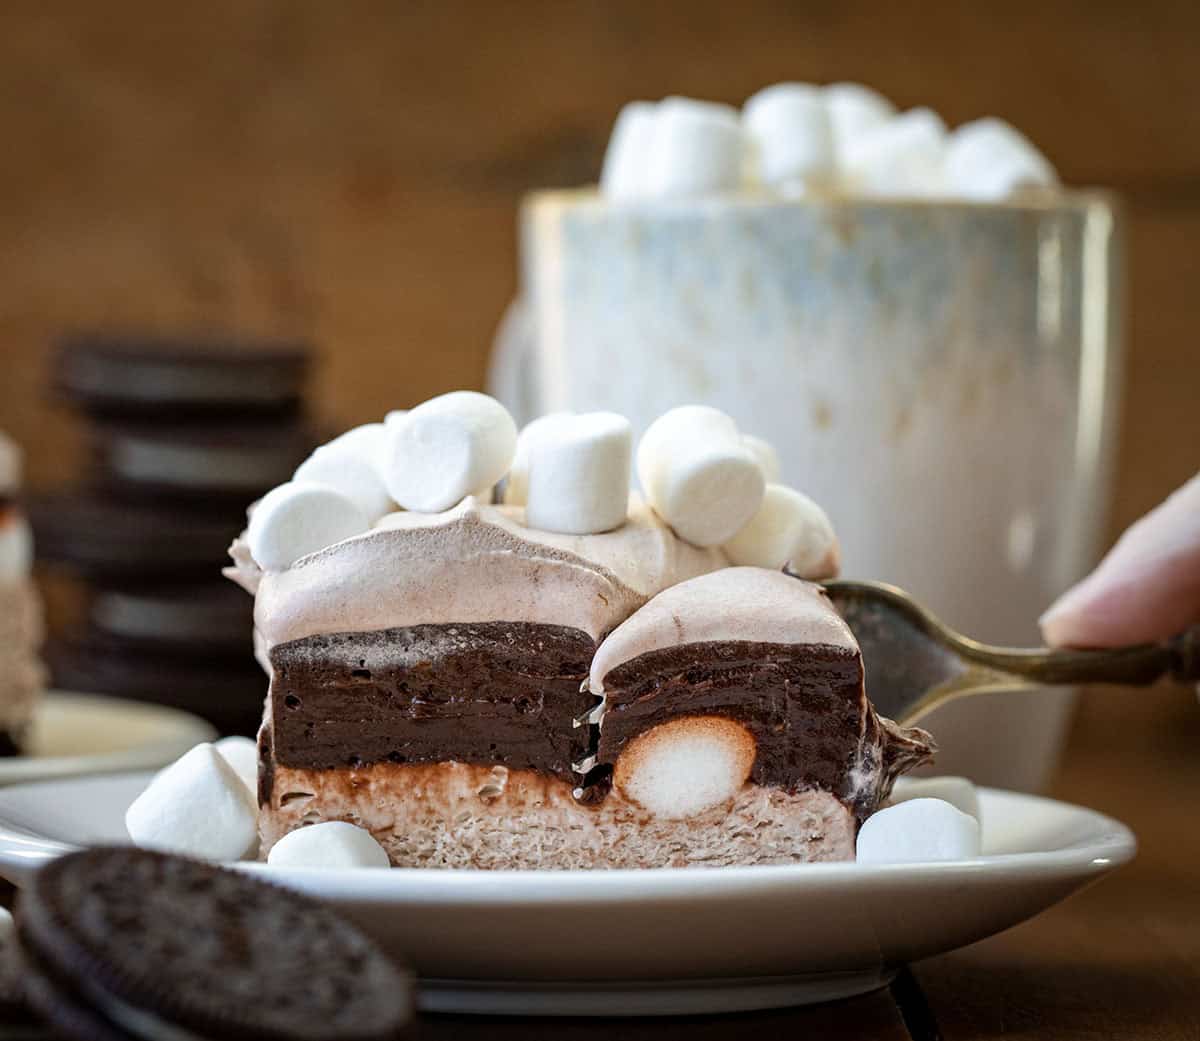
{"type": "Point", "coordinates": [198, 806]}
{"type": "Point", "coordinates": [698, 475]}
{"type": "Point", "coordinates": [905, 156]}
{"type": "Point", "coordinates": [698, 149]}
{"type": "Point", "coordinates": [765, 455]}
{"type": "Point", "coordinates": [516, 485]}
{"type": "Point", "coordinates": [685, 766]}
{"type": "Point", "coordinates": [624, 172]}
{"type": "Point", "coordinates": [854, 110]}
{"type": "Point", "coordinates": [988, 159]}
{"type": "Point", "coordinates": [330, 844]}
{"type": "Point", "coordinates": [917, 831]}
{"type": "Point", "coordinates": [957, 791]}
{"type": "Point", "coordinates": [579, 474]}
{"type": "Point", "coordinates": [446, 449]}
{"type": "Point", "coordinates": [788, 528]}
{"type": "Point", "coordinates": [16, 548]}
{"type": "Point", "coordinates": [790, 130]}
{"type": "Point", "coordinates": [299, 518]}
{"type": "Point", "coordinates": [350, 464]}
{"type": "Point", "coordinates": [242, 754]}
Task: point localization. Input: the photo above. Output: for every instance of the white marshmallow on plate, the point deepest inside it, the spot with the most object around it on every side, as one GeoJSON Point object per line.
{"type": "Point", "coordinates": [516, 485]}
{"type": "Point", "coordinates": [903, 157]}
{"type": "Point", "coordinates": [329, 844]}
{"type": "Point", "coordinates": [623, 175]}
{"type": "Point", "coordinates": [957, 791]}
{"type": "Point", "coordinates": [350, 463]}
{"type": "Point", "coordinates": [698, 474]}
{"type": "Point", "coordinates": [788, 528]}
{"type": "Point", "coordinates": [447, 448]}
{"type": "Point", "coordinates": [789, 128]}
{"type": "Point", "coordinates": [579, 474]}
{"type": "Point", "coordinates": [685, 766]}
{"type": "Point", "coordinates": [198, 806]}
{"type": "Point", "coordinates": [917, 831]}
{"type": "Point", "coordinates": [16, 548]}
{"type": "Point", "coordinates": [242, 754]}
{"type": "Point", "coordinates": [854, 110]}
{"type": "Point", "coordinates": [988, 160]}
{"type": "Point", "coordinates": [698, 149]}
{"type": "Point", "coordinates": [766, 456]}
{"type": "Point", "coordinates": [299, 518]}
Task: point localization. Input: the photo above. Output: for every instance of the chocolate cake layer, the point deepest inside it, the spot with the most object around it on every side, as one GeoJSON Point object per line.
{"type": "Point", "coordinates": [503, 693]}
{"type": "Point", "coordinates": [802, 703]}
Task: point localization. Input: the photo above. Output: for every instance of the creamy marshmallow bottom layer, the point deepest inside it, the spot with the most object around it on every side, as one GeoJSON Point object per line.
{"type": "Point", "coordinates": [459, 815]}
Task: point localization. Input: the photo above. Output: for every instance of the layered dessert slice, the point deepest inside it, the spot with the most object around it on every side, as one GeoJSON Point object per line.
{"type": "Point", "coordinates": [22, 676]}
{"type": "Point", "coordinates": [734, 706]}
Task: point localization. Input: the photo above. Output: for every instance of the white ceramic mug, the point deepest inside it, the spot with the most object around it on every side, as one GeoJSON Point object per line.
{"type": "Point", "coordinates": [941, 377]}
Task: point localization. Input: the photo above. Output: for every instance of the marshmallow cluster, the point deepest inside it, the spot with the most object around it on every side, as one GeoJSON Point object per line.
{"type": "Point", "coordinates": [799, 139]}
{"type": "Point", "coordinates": [571, 472]}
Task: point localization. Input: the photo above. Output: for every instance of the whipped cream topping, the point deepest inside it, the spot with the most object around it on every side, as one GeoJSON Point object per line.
{"type": "Point", "coordinates": [736, 603]}
{"type": "Point", "coordinates": [474, 563]}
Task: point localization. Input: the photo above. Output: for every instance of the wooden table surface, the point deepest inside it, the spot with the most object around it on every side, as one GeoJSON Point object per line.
{"type": "Point", "coordinates": [1118, 961]}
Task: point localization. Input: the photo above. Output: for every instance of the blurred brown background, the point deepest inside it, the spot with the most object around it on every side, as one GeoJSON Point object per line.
{"type": "Point", "coordinates": [350, 171]}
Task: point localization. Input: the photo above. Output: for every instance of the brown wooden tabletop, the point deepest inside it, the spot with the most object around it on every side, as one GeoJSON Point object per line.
{"type": "Point", "coordinates": [1118, 961]}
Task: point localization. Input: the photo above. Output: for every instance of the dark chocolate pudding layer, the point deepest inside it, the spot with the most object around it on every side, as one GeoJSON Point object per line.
{"type": "Point", "coordinates": [504, 693]}
{"type": "Point", "coordinates": [802, 703]}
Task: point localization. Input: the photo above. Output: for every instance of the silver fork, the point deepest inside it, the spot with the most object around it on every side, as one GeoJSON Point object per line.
{"type": "Point", "coordinates": [915, 663]}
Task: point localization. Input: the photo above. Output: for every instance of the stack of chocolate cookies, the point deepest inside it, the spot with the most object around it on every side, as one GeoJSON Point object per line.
{"type": "Point", "coordinates": [182, 434]}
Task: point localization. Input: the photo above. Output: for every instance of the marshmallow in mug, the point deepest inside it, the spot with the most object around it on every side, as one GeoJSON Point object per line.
{"type": "Point", "coordinates": [854, 110]}
{"type": "Point", "coordinates": [902, 157]}
{"type": "Point", "coordinates": [629, 145]}
{"type": "Point", "coordinates": [328, 844]}
{"type": "Point", "coordinates": [299, 518]}
{"type": "Point", "coordinates": [578, 481]}
{"type": "Point", "coordinates": [988, 159]}
{"type": "Point", "coordinates": [787, 529]}
{"type": "Point", "coordinates": [792, 136]}
{"type": "Point", "coordinates": [698, 149]}
{"type": "Point", "coordinates": [447, 448]}
{"type": "Point", "coordinates": [698, 475]}
{"type": "Point", "coordinates": [198, 806]}
{"type": "Point", "coordinates": [917, 831]}
{"type": "Point", "coordinates": [350, 463]}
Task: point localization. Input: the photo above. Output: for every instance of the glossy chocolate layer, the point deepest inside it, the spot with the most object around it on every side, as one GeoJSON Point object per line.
{"type": "Point", "coordinates": [802, 703]}
{"type": "Point", "coordinates": [497, 692]}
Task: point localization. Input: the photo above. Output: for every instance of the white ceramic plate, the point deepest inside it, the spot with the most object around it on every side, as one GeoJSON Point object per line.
{"type": "Point", "coordinates": [86, 734]}
{"type": "Point", "coordinates": [652, 942]}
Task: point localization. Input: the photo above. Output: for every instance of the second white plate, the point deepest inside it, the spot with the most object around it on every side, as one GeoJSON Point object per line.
{"type": "Point", "coordinates": [652, 942]}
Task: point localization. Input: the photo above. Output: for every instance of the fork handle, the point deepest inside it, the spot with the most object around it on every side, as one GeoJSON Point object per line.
{"type": "Point", "coordinates": [1178, 658]}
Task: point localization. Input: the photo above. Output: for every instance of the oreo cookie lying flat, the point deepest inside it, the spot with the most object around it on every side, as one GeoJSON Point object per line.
{"type": "Point", "coordinates": [107, 539]}
{"type": "Point", "coordinates": [238, 461]}
{"type": "Point", "coordinates": [120, 942]}
{"type": "Point", "coordinates": [170, 376]}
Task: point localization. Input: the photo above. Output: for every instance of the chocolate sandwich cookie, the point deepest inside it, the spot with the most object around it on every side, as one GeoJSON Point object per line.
{"type": "Point", "coordinates": [120, 943]}
{"type": "Point", "coordinates": [235, 461]}
{"type": "Point", "coordinates": [164, 376]}
{"type": "Point", "coordinates": [227, 691]}
{"type": "Point", "coordinates": [200, 618]}
{"type": "Point", "coordinates": [106, 539]}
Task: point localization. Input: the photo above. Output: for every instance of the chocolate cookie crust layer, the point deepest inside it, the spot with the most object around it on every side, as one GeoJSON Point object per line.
{"type": "Point", "coordinates": [503, 693]}
{"type": "Point", "coordinates": [803, 704]}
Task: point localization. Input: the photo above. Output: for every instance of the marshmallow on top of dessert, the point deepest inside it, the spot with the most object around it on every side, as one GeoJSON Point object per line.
{"type": "Point", "coordinates": [804, 140]}
{"type": "Point", "coordinates": [22, 676]}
